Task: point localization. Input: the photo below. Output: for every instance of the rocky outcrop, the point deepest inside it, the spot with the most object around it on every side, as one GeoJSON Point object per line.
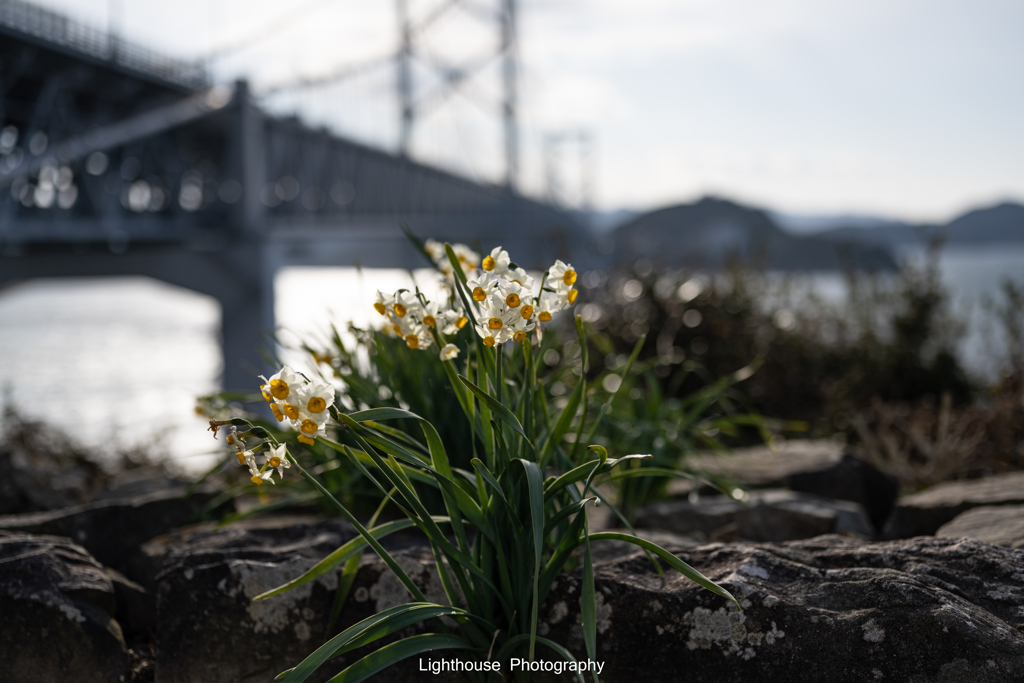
{"type": "Point", "coordinates": [924, 513]}
{"type": "Point", "coordinates": [113, 530]}
{"type": "Point", "coordinates": [57, 605]}
{"type": "Point", "coordinates": [769, 515]}
{"type": "Point", "coordinates": [998, 525]}
{"type": "Point", "coordinates": [831, 609]}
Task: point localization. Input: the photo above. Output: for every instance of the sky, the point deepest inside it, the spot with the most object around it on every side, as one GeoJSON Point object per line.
{"type": "Point", "coordinates": [907, 109]}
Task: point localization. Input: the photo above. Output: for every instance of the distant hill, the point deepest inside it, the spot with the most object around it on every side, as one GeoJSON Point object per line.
{"type": "Point", "coordinates": [714, 232]}
{"type": "Point", "coordinates": [1000, 224]}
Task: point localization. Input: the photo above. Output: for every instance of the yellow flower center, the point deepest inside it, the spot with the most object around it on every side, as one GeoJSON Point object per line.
{"type": "Point", "coordinates": [309, 427]}
{"type": "Point", "coordinates": [256, 479]}
{"type": "Point", "coordinates": [527, 311]}
{"type": "Point", "coordinates": [488, 341]}
{"type": "Point", "coordinates": [397, 329]}
{"type": "Point", "coordinates": [429, 321]}
{"type": "Point", "coordinates": [488, 263]}
{"type": "Point", "coordinates": [519, 336]}
{"type": "Point", "coordinates": [494, 323]}
{"type": "Point", "coordinates": [544, 317]}
{"type": "Point", "coordinates": [572, 295]}
{"type": "Point", "coordinates": [266, 395]}
{"type": "Point", "coordinates": [479, 294]}
{"type": "Point", "coordinates": [241, 458]}
{"type": "Point", "coordinates": [569, 278]}
{"type": "Point", "coordinates": [512, 300]}
{"type": "Point", "coordinates": [276, 411]}
{"type": "Point", "coordinates": [379, 307]}
{"type": "Point", "coordinates": [291, 411]}
{"type": "Point", "coordinates": [400, 310]}
{"type": "Point", "coordinates": [306, 440]}
{"type": "Point", "coordinates": [461, 322]}
{"type": "Point", "coordinates": [230, 439]}
{"type": "Point", "coordinates": [315, 405]}
{"type": "Point", "coordinates": [279, 388]}
{"type": "Point", "coordinates": [275, 461]}
{"type": "Point", "coordinates": [412, 341]}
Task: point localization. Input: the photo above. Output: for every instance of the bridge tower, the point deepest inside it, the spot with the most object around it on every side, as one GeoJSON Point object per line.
{"type": "Point", "coordinates": [412, 31]}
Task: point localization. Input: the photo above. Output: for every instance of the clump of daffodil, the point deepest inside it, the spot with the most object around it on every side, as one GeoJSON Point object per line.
{"type": "Point", "coordinates": [303, 402]}
{"type": "Point", "coordinates": [506, 305]}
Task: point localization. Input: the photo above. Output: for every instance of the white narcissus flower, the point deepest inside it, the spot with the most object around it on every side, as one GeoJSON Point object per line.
{"type": "Point", "coordinates": [561, 275]}
{"type": "Point", "coordinates": [278, 458]}
{"type": "Point", "coordinates": [419, 337]}
{"type": "Point", "coordinates": [497, 262]}
{"type": "Point", "coordinates": [436, 251]}
{"type": "Point", "coordinates": [520, 277]}
{"type": "Point", "coordinates": [256, 477]}
{"type": "Point", "coordinates": [314, 400]}
{"type": "Point", "coordinates": [468, 259]}
{"type": "Point", "coordinates": [384, 304]}
{"type": "Point", "coordinates": [430, 314]}
{"type": "Point", "coordinates": [404, 302]}
{"type": "Point", "coordinates": [279, 386]}
{"type": "Point", "coordinates": [449, 352]}
{"type": "Point", "coordinates": [548, 304]}
{"type": "Point", "coordinates": [454, 320]}
{"type": "Point", "coordinates": [259, 477]}
{"type": "Point", "coordinates": [246, 458]}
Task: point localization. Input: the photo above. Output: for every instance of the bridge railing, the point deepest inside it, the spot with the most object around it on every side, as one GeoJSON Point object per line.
{"type": "Point", "coordinates": [59, 29]}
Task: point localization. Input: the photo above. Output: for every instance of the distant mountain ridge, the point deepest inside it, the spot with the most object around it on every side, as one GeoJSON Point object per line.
{"type": "Point", "coordinates": [999, 224]}
{"type": "Point", "coordinates": [714, 232]}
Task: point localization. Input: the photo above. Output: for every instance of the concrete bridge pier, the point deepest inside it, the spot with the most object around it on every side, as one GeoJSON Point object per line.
{"type": "Point", "coordinates": [239, 276]}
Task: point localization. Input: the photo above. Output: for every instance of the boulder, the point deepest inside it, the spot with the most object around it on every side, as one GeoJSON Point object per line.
{"type": "Point", "coordinates": [113, 530]}
{"type": "Point", "coordinates": [924, 513]}
{"type": "Point", "coordinates": [40, 480]}
{"type": "Point", "coordinates": [854, 480]}
{"type": "Point", "coordinates": [764, 467]}
{"type": "Point", "coordinates": [997, 524]}
{"type": "Point", "coordinates": [606, 551]}
{"type": "Point", "coordinates": [138, 481]}
{"type": "Point", "coordinates": [209, 628]}
{"type": "Point", "coordinates": [831, 609]}
{"type": "Point", "coordinates": [58, 606]}
{"type": "Point", "coordinates": [819, 467]}
{"type": "Point", "coordinates": [768, 515]}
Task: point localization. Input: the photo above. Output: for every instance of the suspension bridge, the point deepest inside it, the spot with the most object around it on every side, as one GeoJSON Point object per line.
{"type": "Point", "coordinates": [116, 160]}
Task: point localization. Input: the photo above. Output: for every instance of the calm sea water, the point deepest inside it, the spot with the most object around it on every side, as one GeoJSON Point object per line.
{"type": "Point", "coordinates": [119, 361]}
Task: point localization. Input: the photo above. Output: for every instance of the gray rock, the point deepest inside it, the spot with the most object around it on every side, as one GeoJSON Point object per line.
{"type": "Point", "coordinates": [40, 480]}
{"type": "Point", "coordinates": [831, 609]}
{"type": "Point", "coordinates": [606, 551]}
{"type": "Point", "coordinates": [923, 513]}
{"type": "Point", "coordinates": [57, 604]}
{"type": "Point", "coordinates": [820, 467]}
{"type": "Point", "coordinates": [854, 480]}
{"type": "Point", "coordinates": [998, 525]}
{"type": "Point", "coordinates": [136, 482]}
{"type": "Point", "coordinates": [763, 467]}
{"type": "Point", "coordinates": [113, 530]}
{"type": "Point", "coordinates": [768, 515]}
{"type": "Point", "coordinates": [210, 630]}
